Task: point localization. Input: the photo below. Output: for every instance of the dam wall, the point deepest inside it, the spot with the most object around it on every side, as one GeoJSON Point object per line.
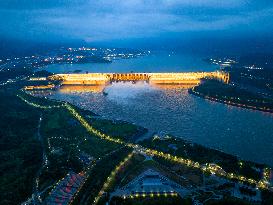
{"type": "Point", "coordinates": [177, 78]}
{"type": "Point", "coordinates": [153, 78]}
{"type": "Point", "coordinates": [81, 79]}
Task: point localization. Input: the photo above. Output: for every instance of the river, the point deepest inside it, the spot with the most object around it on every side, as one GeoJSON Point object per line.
{"type": "Point", "coordinates": [155, 62]}
{"type": "Point", "coordinates": [170, 109]}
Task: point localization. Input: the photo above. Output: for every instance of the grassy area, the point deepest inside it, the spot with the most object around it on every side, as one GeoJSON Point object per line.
{"type": "Point", "coordinates": [40, 101]}
{"type": "Point", "coordinates": [201, 154]}
{"type": "Point", "coordinates": [118, 129]}
{"type": "Point", "coordinates": [66, 141]}
{"type": "Point", "coordinates": [60, 123]}
{"type": "Point", "coordinates": [194, 176]}
{"type": "Point", "coordinates": [132, 170]}
{"type": "Point", "coordinates": [228, 93]}
{"type": "Point", "coordinates": [262, 79]}
{"type": "Point", "coordinates": [20, 151]}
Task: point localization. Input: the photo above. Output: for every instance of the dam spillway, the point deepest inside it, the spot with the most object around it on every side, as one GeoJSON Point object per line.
{"type": "Point", "coordinates": [153, 78]}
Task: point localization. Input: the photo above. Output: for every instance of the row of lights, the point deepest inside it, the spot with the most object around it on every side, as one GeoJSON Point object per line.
{"type": "Point", "coordinates": [187, 162]}
{"type": "Point", "coordinates": [151, 194]}
{"type": "Point", "coordinates": [37, 105]}
{"type": "Point", "coordinates": [111, 177]}
{"type": "Point", "coordinates": [233, 103]}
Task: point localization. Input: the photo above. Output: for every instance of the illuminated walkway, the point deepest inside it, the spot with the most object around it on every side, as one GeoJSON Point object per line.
{"type": "Point", "coordinates": [111, 178]}
{"type": "Point", "coordinates": [211, 168]}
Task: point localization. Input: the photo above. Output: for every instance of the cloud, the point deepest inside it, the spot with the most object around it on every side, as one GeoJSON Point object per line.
{"type": "Point", "coordinates": [36, 4]}
{"type": "Point", "coordinates": [114, 19]}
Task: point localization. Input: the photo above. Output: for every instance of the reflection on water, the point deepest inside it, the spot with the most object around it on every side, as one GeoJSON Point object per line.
{"type": "Point", "coordinates": [173, 86]}
{"type": "Point", "coordinates": [121, 88]}
{"type": "Point", "coordinates": [118, 92]}
{"type": "Point", "coordinates": [81, 88]}
{"type": "Point", "coordinates": [246, 133]}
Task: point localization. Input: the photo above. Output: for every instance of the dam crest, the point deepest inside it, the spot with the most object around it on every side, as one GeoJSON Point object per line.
{"type": "Point", "coordinates": [152, 78]}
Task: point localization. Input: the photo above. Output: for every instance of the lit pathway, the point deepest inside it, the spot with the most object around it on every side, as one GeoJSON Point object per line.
{"type": "Point", "coordinates": [212, 168]}
{"type": "Point", "coordinates": [35, 198]}
{"type": "Point", "coordinates": [111, 178]}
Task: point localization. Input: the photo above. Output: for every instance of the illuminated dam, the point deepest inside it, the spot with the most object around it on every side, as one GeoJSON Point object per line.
{"type": "Point", "coordinates": [191, 78]}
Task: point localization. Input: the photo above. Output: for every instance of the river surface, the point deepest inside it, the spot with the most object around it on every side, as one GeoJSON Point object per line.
{"type": "Point", "coordinates": [170, 109]}
{"type": "Point", "coordinates": [155, 62]}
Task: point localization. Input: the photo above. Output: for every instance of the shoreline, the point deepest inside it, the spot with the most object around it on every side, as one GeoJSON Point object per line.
{"type": "Point", "coordinates": [194, 154]}
{"type": "Point", "coordinates": [146, 133]}
{"type": "Point", "coordinates": [249, 107]}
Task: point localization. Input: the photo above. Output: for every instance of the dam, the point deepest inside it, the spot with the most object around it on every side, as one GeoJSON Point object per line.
{"type": "Point", "coordinates": [191, 78]}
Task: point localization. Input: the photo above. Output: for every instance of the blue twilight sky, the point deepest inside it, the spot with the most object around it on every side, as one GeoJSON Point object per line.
{"type": "Point", "coordinates": [106, 20]}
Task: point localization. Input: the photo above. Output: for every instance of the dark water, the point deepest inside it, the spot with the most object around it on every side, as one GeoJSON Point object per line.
{"type": "Point", "coordinates": [155, 62]}
{"type": "Point", "coordinates": [245, 133]}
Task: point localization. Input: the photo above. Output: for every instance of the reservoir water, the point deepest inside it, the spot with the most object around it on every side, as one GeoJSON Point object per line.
{"type": "Point", "coordinates": [155, 62]}
{"type": "Point", "coordinates": [170, 109]}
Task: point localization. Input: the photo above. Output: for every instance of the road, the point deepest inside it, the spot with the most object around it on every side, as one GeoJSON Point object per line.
{"type": "Point", "coordinates": [35, 198]}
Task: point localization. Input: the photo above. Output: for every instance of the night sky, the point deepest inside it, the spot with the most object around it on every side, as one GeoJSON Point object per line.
{"type": "Point", "coordinates": [112, 20]}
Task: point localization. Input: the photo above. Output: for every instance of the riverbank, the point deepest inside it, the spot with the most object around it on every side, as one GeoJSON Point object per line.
{"type": "Point", "coordinates": [204, 155]}
{"type": "Point", "coordinates": [181, 114]}
{"type": "Point", "coordinates": [208, 167]}
{"type": "Point", "coordinates": [229, 98]}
